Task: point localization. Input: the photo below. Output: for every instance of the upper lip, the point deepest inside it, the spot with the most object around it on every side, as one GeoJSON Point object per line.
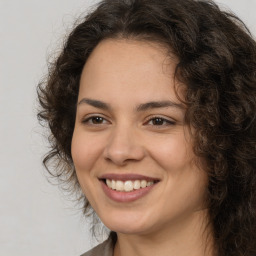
{"type": "Point", "coordinates": [126, 176]}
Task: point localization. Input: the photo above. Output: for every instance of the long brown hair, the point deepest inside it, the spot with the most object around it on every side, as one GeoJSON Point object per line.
{"type": "Point", "coordinates": [217, 62]}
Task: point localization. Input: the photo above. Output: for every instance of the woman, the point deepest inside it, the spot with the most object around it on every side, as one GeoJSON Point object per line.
{"type": "Point", "coordinates": [152, 111]}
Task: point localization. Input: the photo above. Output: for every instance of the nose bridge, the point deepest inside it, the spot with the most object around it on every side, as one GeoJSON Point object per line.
{"type": "Point", "coordinates": [123, 145]}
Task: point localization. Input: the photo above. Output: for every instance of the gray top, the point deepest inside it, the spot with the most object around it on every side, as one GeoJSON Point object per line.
{"type": "Point", "coordinates": [104, 249]}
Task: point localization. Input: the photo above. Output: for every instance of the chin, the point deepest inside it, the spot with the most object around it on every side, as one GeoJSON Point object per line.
{"type": "Point", "coordinates": [126, 224]}
{"type": "Point", "coordinates": [127, 229]}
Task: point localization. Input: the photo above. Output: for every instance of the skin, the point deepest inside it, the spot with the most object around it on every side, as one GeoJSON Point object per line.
{"type": "Point", "coordinates": [124, 74]}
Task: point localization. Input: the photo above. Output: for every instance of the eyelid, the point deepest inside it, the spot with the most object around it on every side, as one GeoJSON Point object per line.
{"type": "Point", "coordinates": [167, 120]}
{"type": "Point", "coordinates": [85, 120]}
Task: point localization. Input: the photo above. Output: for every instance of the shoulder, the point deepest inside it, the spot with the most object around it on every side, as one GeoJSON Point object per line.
{"type": "Point", "coordinates": [103, 249]}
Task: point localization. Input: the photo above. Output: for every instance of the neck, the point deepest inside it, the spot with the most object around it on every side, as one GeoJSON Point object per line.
{"type": "Point", "coordinates": [187, 237]}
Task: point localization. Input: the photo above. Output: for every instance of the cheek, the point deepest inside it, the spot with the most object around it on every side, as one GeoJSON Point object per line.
{"type": "Point", "coordinates": [183, 176]}
{"type": "Point", "coordinates": [85, 151]}
{"type": "Point", "coordinates": [171, 152]}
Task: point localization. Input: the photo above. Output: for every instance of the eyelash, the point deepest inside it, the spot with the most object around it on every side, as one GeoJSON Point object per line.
{"type": "Point", "coordinates": [89, 121]}
{"type": "Point", "coordinates": [164, 120]}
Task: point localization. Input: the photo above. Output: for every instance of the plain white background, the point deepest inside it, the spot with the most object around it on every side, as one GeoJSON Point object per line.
{"type": "Point", "coordinates": [35, 219]}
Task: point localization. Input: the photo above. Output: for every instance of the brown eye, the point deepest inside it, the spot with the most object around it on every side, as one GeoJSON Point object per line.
{"type": "Point", "coordinates": [95, 120]}
{"type": "Point", "coordinates": [159, 121]}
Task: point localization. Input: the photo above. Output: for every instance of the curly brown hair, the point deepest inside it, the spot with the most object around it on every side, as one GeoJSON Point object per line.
{"type": "Point", "coordinates": [217, 62]}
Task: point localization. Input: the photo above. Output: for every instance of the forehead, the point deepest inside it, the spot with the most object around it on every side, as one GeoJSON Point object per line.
{"type": "Point", "coordinates": [123, 67]}
{"type": "Point", "coordinates": [122, 54]}
{"type": "Point", "coordinates": [144, 47]}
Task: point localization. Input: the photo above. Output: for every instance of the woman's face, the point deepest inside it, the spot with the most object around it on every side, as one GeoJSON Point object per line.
{"type": "Point", "coordinates": [130, 133]}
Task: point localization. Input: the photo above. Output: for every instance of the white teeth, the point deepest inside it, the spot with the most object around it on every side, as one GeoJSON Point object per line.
{"type": "Point", "coordinates": [136, 184]}
{"type": "Point", "coordinates": [143, 183]}
{"type": "Point", "coordinates": [109, 183]}
{"type": "Point", "coordinates": [128, 185]}
{"type": "Point", "coordinates": [119, 185]}
{"type": "Point", "coordinates": [113, 184]}
{"type": "Point", "coordinates": [149, 183]}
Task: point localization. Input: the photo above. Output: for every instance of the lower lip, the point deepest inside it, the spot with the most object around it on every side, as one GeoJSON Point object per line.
{"type": "Point", "coordinates": [123, 197]}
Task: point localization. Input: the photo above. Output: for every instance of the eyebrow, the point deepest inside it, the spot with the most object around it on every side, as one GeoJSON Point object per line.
{"type": "Point", "coordinates": [159, 104]}
{"type": "Point", "coordinates": [141, 107]}
{"type": "Point", "coordinates": [95, 103]}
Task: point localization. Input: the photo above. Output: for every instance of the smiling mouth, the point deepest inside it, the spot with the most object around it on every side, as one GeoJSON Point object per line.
{"type": "Point", "coordinates": [125, 188]}
{"type": "Point", "coordinates": [128, 185]}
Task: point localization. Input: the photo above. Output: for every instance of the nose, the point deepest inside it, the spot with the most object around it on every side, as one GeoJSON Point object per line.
{"type": "Point", "coordinates": [123, 146]}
